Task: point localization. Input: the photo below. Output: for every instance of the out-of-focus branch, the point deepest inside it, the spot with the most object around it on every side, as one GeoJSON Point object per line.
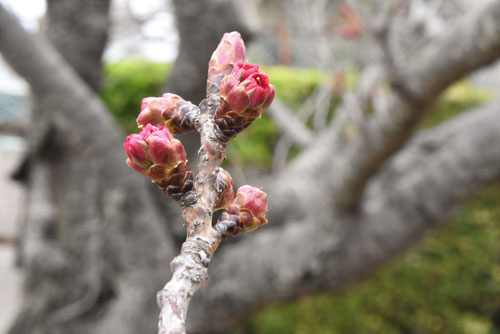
{"type": "Point", "coordinates": [12, 128]}
{"type": "Point", "coordinates": [290, 125]}
{"type": "Point", "coordinates": [62, 90]}
{"type": "Point", "coordinates": [475, 42]}
{"type": "Point", "coordinates": [402, 203]}
{"type": "Point", "coordinates": [130, 219]}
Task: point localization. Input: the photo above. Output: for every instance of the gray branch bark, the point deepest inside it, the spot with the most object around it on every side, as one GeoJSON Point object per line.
{"type": "Point", "coordinates": [88, 214]}
{"type": "Point", "coordinates": [474, 42]}
{"type": "Point", "coordinates": [422, 186]}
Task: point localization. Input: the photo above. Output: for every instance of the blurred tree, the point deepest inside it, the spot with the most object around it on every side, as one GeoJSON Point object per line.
{"type": "Point", "coordinates": [365, 186]}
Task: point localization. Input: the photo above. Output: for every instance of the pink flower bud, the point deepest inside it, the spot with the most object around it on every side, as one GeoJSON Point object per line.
{"type": "Point", "coordinates": [225, 189]}
{"type": "Point", "coordinates": [154, 152]}
{"type": "Point", "coordinates": [246, 91]}
{"type": "Point", "coordinates": [151, 111]}
{"type": "Point", "coordinates": [137, 151]}
{"type": "Point", "coordinates": [170, 111]}
{"type": "Point", "coordinates": [252, 205]}
{"type": "Point", "coordinates": [230, 51]}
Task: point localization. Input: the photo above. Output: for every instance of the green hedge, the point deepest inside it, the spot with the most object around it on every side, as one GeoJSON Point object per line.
{"type": "Point", "coordinates": [126, 83]}
{"type": "Point", "coordinates": [449, 283]}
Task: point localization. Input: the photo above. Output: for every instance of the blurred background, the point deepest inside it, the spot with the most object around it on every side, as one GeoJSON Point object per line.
{"type": "Point", "coordinates": [313, 52]}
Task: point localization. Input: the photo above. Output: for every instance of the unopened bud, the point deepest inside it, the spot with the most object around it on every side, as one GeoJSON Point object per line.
{"type": "Point", "coordinates": [250, 205]}
{"type": "Point", "coordinates": [170, 111]}
{"type": "Point", "coordinates": [225, 189]}
{"type": "Point", "coordinates": [155, 153]}
{"type": "Point", "coordinates": [229, 52]}
{"type": "Point", "coordinates": [244, 95]}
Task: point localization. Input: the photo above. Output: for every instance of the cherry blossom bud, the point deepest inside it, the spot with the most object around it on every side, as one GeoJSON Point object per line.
{"type": "Point", "coordinates": [250, 204]}
{"type": "Point", "coordinates": [137, 151]}
{"type": "Point", "coordinates": [225, 189]}
{"type": "Point", "coordinates": [247, 91]}
{"type": "Point", "coordinates": [229, 52]}
{"type": "Point", "coordinates": [170, 111]}
{"type": "Point", "coordinates": [244, 95]}
{"type": "Point", "coordinates": [155, 153]}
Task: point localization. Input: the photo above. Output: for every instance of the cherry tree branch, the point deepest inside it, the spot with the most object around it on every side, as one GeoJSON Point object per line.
{"type": "Point", "coordinates": [356, 144]}
{"type": "Point", "coordinates": [402, 202]}
{"type": "Point", "coordinates": [475, 42]}
{"type": "Point", "coordinates": [190, 267]}
{"type": "Point", "coordinates": [63, 91]}
{"type": "Point", "coordinates": [229, 108]}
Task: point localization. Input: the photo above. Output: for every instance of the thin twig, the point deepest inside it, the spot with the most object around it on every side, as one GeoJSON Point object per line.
{"type": "Point", "coordinates": [190, 267]}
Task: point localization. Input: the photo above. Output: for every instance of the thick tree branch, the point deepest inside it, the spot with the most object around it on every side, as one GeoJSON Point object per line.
{"type": "Point", "coordinates": [87, 30]}
{"type": "Point", "coordinates": [356, 145]}
{"type": "Point", "coordinates": [474, 42]}
{"type": "Point", "coordinates": [62, 90]}
{"type": "Point", "coordinates": [421, 187]}
{"type": "Point", "coordinates": [425, 185]}
{"type": "Point", "coordinates": [87, 146]}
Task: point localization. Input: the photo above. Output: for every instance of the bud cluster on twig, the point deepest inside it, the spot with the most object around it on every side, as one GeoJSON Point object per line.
{"type": "Point", "coordinates": [237, 94]}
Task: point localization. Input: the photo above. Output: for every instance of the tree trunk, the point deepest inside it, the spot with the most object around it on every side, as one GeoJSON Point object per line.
{"type": "Point", "coordinates": [86, 235]}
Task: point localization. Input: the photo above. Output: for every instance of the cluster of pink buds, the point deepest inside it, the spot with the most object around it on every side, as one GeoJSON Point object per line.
{"type": "Point", "coordinates": [246, 210]}
{"type": "Point", "coordinates": [244, 93]}
{"type": "Point", "coordinates": [155, 153]}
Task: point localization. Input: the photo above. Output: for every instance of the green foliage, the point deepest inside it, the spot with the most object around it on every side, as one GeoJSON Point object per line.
{"type": "Point", "coordinates": [449, 283]}
{"type": "Point", "coordinates": [293, 86]}
{"type": "Point", "coordinates": [126, 83]}
{"type": "Point", "coordinates": [459, 97]}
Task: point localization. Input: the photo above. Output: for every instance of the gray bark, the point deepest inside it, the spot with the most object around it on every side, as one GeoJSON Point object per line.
{"type": "Point", "coordinates": [420, 187]}
{"type": "Point", "coordinates": [200, 30]}
{"type": "Point", "coordinates": [88, 215]}
{"type": "Point", "coordinates": [96, 246]}
{"type": "Point", "coordinates": [79, 32]}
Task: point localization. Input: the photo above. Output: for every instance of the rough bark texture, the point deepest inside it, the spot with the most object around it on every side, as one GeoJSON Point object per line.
{"type": "Point", "coordinates": [84, 227]}
{"type": "Point", "coordinates": [96, 246]}
{"type": "Point", "coordinates": [79, 32]}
